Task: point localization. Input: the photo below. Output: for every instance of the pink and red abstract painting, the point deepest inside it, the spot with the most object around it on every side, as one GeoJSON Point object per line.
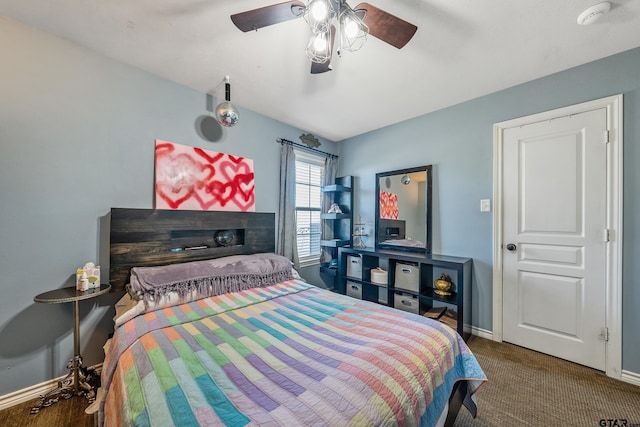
{"type": "Point", "coordinates": [191, 178]}
{"type": "Point", "coordinates": [388, 205]}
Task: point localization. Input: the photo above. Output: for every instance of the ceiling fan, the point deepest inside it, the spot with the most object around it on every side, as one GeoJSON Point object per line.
{"type": "Point", "coordinates": [328, 20]}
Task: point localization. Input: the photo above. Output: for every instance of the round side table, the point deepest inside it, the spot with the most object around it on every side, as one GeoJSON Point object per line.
{"type": "Point", "coordinates": [78, 381]}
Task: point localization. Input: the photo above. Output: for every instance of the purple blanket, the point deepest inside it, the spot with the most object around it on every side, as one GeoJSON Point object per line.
{"type": "Point", "coordinates": [210, 277]}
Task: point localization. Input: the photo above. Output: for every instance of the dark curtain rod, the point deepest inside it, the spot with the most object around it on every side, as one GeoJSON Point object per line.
{"type": "Point", "coordinates": [304, 147]}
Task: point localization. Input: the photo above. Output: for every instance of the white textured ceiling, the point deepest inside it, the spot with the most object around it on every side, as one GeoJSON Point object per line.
{"type": "Point", "coordinates": [462, 49]}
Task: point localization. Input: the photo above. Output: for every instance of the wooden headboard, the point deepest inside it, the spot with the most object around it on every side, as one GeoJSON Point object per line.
{"type": "Point", "coordinates": [149, 237]}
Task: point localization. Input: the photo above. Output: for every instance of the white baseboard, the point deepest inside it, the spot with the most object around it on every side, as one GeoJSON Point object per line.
{"type": "Point", "coordinates": [29, 393]}
{"type": "Point", "coordinates": [630, 377]}
{"type": "Point", "coordinates": [482, 333]}
{"type": "Point", "coordinates": [626, 376]}
{"type": "Point", "coordinates": [33, 392]}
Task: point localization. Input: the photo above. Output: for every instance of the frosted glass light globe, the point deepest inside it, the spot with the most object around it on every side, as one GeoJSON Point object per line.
{"type": "Point", "coordinates": [319, 43]}
{"type": "Point", "coordinates": [351, 28]}
{"type": "Point", "coordinates": [319, 10]}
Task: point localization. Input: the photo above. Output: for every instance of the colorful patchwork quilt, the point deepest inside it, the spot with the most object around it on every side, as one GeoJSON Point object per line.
{"type": "Point", "coordinates": [288, 355]}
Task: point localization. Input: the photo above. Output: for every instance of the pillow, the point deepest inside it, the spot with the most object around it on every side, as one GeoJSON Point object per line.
{"type": "Point", "coordinates": [199, 279]}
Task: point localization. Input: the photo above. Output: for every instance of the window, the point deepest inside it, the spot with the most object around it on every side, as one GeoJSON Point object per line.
{"type": "Point", "coordinates": [309, 178]}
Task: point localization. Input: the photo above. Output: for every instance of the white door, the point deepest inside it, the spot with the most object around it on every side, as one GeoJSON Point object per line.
{"type": "Point", "coordinates": [554, 234]}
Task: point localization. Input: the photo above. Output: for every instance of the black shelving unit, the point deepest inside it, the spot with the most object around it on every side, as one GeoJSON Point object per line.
{"type": "Point", "coordinates": [422, 298]}
{"type": "Point", "coordinates": [341, 225]}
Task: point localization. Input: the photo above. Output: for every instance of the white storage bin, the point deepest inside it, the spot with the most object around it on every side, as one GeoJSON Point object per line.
{"type": "Point", "coordinates": [354, 266]}
{"type": "Point", "coordinates": [406, 302]}
{"type": "Point", "coordinates": [354, 290]}
{"type": "Point", "coordinates": [379, 276]}
{"type": "Point", "coordinates": [407, 277]}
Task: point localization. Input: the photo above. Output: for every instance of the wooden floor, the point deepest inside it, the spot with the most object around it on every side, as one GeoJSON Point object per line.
{"type": "Point", "coordinates": [65, 413]}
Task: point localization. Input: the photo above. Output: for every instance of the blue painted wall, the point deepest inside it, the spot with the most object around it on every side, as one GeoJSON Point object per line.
{"type": "Point", "coordinates": [458, 141]}
{"type": "Point", "coordinates": [77, 135]}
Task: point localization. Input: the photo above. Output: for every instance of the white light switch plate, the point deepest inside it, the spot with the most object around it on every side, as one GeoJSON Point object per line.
{"type": "Point", "coordinates": [485, 205]}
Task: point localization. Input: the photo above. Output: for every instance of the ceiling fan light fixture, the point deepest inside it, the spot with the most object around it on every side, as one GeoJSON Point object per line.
{"type": "Point", "coordinates": [319, 49]}
{"type": "Point", "coordinates": [353, 30]}
{"type": "Point", "coordinates": [334, 25]}
{"type": "Point", "coordinates": [318, 15]}
{"type": "Point", "coordinates": [319, 10]}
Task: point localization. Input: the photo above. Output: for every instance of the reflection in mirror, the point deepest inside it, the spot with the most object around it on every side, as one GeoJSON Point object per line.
{"type": "Point", "coordinates": [403, 209]}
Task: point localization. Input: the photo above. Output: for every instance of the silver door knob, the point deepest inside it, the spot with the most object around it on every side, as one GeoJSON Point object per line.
{"type": "Point", "coordinates": [511, 247]}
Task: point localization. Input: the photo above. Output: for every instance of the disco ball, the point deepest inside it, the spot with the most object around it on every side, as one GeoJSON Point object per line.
{"type": "Point", "coordinates": [224, 237]}
{"type": "Point", "coordinates": [226, 114]}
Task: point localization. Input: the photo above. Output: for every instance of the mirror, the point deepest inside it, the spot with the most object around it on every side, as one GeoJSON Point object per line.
{"type": "Point", "coordinates": [403, 209]}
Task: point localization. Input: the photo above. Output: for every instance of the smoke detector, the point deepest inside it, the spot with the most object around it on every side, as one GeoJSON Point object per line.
{"type": "Point", "coordinates": [594, 13]}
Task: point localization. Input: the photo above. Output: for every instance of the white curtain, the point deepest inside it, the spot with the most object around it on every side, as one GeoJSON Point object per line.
{"type": "Point", "coordinates": [286, 243]}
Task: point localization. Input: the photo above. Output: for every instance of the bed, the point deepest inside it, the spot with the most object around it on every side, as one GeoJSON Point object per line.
{"type": "Point", "coordinates": [226, 334]}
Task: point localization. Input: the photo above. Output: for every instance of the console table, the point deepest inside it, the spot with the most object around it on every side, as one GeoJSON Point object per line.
{"type": "Point", "coordinates": [78, 381]}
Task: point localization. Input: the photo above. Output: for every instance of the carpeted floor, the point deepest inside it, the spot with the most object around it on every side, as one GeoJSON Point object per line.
{"type": "Point", "coordinates": [526, 388]}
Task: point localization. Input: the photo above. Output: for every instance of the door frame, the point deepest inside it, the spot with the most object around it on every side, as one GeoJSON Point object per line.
{"type": "Point", "coordinates": [613, 280]}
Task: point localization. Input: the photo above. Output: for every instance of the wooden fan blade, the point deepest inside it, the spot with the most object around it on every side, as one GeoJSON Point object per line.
{"type": "Point", "coordinates": [317, 68]}
{"type": "Point", "coordinates": [268, 15]}
{"type": "Point", "coordinates": [387, 27]}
